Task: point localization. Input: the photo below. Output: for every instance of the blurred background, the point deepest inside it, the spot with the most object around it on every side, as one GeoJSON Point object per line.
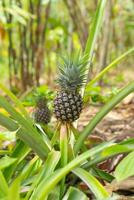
{"type": "Point", "coordinates": [34, 33]}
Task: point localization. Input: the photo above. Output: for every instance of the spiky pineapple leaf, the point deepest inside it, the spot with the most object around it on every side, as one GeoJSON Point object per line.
{"type": "Point", "coordinates": [72, 72]}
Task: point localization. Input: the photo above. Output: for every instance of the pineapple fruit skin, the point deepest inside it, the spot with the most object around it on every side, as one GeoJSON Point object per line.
{"type": "Point", "coordinates": [42, 115]}
{"type": "Point", "coordinates": [67, 106]}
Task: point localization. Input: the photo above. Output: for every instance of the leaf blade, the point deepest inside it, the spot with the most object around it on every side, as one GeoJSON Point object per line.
{"type": "Point", "coordinates": [3, 185]}
{"type": "Point", "coordinates": [8, 123]}
{"type": "Point", "coordinates": [95, 186]}
{"type": "Point", "coordinates": [74, 193]}
{"type": "Point", "coordinates": [125, 168]}
{"type": "Point", "coordinates": [48, 184]}
{"type": "Point", "coordinates": [95, 29]}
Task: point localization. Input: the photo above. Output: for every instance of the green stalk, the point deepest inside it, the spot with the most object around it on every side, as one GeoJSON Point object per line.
{"type": "Point", "coordinates": [99, 116]}
{"type": "Point", "coordinates": [64, 153]}
{"type": "Point", "coordinates": [112, 64]}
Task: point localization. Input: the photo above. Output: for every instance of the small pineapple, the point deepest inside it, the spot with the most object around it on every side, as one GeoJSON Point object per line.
{"type": "Point", "coordinates": [42, 114]}
{"type": "Point", "coordinates": [68, 102]}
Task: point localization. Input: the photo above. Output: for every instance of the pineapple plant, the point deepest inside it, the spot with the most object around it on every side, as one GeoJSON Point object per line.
{"type": "Point", "coordinates": [68, 101]}
{"type": "Point", "coordinates": [42, 113]}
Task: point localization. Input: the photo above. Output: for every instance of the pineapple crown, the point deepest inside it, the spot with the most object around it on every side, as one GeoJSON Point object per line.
{"type": "Point", "coordinates": [41, 101]}
{"type": "Point", "coordinates": [72, 72]}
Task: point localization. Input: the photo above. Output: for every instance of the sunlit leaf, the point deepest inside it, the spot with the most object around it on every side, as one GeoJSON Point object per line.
{"type": "Point", "coordinates": [99, 116]}
{"type": "Point", "coordinates": [48, 184]}
{"type": "Point", "coordinates": [95, 28]}
{"type": "Point", "coordinates": [109, 152]}
{"type": "Point", "coordinates": [48, 168]}
{"type": "Point", "coordinates": [3, 185]}
{"type": "Point", "coordinates": [125, 168]}
{"type": "Point", "coordinates": [6, 161]}
{"type": "Point", "coordinates": [8, 123]}
{"type": "Point", "coordinates": [14, 190]}
{"type": "Point", "coordinates": [110, 66]}
{"type": "Point", "coordinates": [16, 101]}
{"type": "Point", "coordinates": [94, 185]}
{"type": "Point", "coordinates": [74, 193]}
{"type": "Point", "coordinates": [28, 133]}
{"type": "Point", "coordinates": [19, 152]}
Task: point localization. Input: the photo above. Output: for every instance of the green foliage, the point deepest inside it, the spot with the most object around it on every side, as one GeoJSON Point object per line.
{"type": "Point", "coordinates": [3, 186]}
{"type": "Point", "coordinates": [74, 193]}
{"type": "Point", "coordinates": [98, 190]}
{"type": "Point", "coordinates": [8, 123]}
{"type": "Point", "coordinates": [31, 98]}
{"type": "Point", "coordinates": [60, 157]}
{"type": "Point", "coordinates": [95, 29]}
{"type": "Point", "coordinates": [91, 125]}
{"type": "Point", "coordinates": [125, 168]}
{"type": "Point", "coordinates": [110, 66]}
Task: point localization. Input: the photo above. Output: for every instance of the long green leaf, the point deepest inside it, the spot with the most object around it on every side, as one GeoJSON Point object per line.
{"type": "Point", "coordinates": [98, 173]}
{"type": "Point", "coordinates": [74, 193]}
{"type": "Point", "coordinates": [111, 65]}
{"type": "Point", "coordinates": [95, 29]}
{"type": "Point", "coordinates": [5, 152]}
{"type": "Point", "coordinates": [49, 166]}
{"type": "Point", "coordinates": [94, 185]}
{"type": "Point", "coordinates": [15, 100]}
{"type": "Point", "coordinates": [99, 116]}
{"type": "Point", "coordinates": [28, 132]}
{"type": "Point", "coordinates": [6, 161]}
{"type": "Point", "coordinates": [36, 143]}
{"type": "Point", "coordinates": [125, 168]}
{"type": "Point", "coordinates": [14, 190]}
{"type": "Point", "coordinates": [3, 185]}
{"type": "Point", "coordinates": [20, 152]}
{"type": "Point", "coordinates": [8, 123]}
{"type": "Point", "coordinates": [48, 184]}
{"type": "Point", "coordinates": [28, 168]}
{"type": "Point", "coordinates": [109, 152]}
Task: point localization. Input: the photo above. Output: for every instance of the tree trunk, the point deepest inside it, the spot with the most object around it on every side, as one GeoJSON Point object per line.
{"type": "Point", "coordinates": [78, 19]}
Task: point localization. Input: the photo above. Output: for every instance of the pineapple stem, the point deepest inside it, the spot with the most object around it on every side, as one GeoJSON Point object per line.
{"type": "Point", "coordinates": [64, 153]}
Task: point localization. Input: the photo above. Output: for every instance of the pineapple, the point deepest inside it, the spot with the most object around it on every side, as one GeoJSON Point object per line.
{"type": "Point", "coordinates": [68, 101]}
{"type": "Point", "coordinates": [42, 113]}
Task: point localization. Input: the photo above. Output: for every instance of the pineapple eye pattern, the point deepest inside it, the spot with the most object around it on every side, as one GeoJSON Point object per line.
{"type": "Point", "coordinates": [42, 113]}
{"type": "Point", "coordinates": [67, 106]}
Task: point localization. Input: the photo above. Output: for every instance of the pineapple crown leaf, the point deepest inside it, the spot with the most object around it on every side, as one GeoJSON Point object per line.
{"type": "Point", "coordinates": [72, 72]}
{"type": "Point", "coordinates": [39, 98]}
{"type": "Point", "coordinates": [41, 101]}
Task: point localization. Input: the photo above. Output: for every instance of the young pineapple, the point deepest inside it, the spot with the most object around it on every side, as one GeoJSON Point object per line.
{"type": "Point", "coordinates": [42, 113]}
{"type": "Point", "coordinates": [68, 102]}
